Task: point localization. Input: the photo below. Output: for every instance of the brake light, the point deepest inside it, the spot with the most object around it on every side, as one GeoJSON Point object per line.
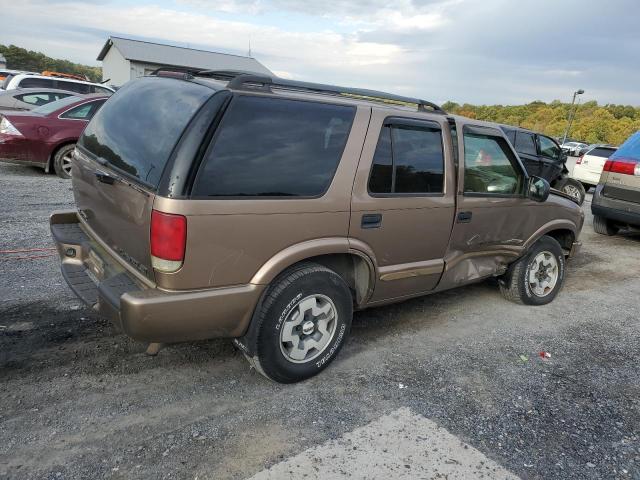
{"type": "Point", "coordinates": [625, 167]}
{"type": "Point", "coordinates": [579, 160]}
{"type": "Point", "coordinates": [7, 128]}
{"type": "Point", "coordinates": [168, 241]}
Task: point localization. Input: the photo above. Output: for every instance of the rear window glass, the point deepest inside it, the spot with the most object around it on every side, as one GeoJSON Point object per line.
{"type": "Point", "coordinates": [272, 147]}
{"type": "Point", "coordinates": [601, 152]}
{"type": "Point", "coordinates": [630, 149]}
{"type": "Point", "coordinates": [138, 127]}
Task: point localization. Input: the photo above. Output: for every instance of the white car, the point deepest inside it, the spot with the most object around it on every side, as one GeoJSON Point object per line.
{"type": "Point", "coordinates": [23, 80]}
{"type": "Point", "coordinates": [572, 148]}
{"type": "Point", "coordinates": [589, 166]}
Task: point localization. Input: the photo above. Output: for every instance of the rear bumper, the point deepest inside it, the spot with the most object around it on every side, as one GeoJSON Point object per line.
{"type": "Point", "coordinates": [146, 313]}
{"type": "Point", "coordinates": [618, 210]}
{"type": "Point", "coordinates": [620, 216]}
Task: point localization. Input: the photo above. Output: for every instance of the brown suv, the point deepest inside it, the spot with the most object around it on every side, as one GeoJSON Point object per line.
{"type": "Point", "coordinates": [267, 210]}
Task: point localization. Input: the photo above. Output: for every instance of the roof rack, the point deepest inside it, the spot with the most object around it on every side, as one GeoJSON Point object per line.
{"type": "Point", "coordinates": [242, 80]}
{"type": "Point", "coordinates": [250, 81]}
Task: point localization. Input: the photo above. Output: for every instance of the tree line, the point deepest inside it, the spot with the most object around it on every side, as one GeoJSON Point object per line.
{"type": "Point", "coordinates": [23, 59]}
{"type": "Point", "coordinates": [592, 123]}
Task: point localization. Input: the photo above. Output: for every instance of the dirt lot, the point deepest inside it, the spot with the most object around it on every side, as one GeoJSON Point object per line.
{"type": "Point", "coordinates": [80, 400]}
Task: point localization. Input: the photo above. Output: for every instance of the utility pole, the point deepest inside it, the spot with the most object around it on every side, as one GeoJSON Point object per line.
{"type": "Point", "coordinates": [572, 113]}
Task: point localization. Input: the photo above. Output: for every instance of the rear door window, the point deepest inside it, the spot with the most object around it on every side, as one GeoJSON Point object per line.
{"type": "Point", "coordinates": [408, 160]}
{"type": "Point", "coordinates": [525, 143]}
{"type": "Point", "coordinates": [548, 147]}
{"type": "Point", "coordinates": [137, 129]}
{"type": "Point", "coordinates": [273, 147]}
{"type": "Point", "coordinates": [37, 83]}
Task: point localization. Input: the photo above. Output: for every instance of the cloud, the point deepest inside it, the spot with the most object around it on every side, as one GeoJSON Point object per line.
{"type": "Point", "coordinates": [483, 51]}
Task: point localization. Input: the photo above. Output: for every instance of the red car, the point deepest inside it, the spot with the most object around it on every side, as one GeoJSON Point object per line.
{"type": "Point", "coordinates": [47, 135]}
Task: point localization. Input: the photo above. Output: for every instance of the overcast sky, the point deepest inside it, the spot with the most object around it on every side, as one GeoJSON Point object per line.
{"type": "Point", "coordinates": [477, 51]}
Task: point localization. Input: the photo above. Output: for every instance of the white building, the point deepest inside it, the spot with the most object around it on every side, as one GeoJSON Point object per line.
{"type": "Point", "coordinates": [124, 59]}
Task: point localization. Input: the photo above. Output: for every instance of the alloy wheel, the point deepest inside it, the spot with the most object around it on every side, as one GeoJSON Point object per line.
{"type": "Point", "coordinates": [308, 328]}
{"type": "Point", "coordinates": [543, 274]}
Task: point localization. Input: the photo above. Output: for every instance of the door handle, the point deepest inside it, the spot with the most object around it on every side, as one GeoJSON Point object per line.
{"type": "Point", "coordinates": [105, 178]}
{"type": "Point", "coordinates": [464, 217]}
{"type": "Point", "coordinates": [371, 220]}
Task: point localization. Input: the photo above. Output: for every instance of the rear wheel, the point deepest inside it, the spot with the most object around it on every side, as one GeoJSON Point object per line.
{"type": "Point", "coordinates": [303, 322]}
{"type": "Point", "coordinates": [62, 160]}
{"type": "Point", "coordinates": [603, 226]}
{"type": "Point", "coordinates": [575, 190]}
{"type": "Point", "coordinates": [537, 277]}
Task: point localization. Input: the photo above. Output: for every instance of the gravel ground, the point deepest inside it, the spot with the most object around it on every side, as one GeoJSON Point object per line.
{"type": "Point", "coordinates": [80, 400]}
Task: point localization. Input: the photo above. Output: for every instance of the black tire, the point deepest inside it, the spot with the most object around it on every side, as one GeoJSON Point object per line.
{"type": "Point", "coordinates": [515, 285]}
{"type": "Point", "coordinates": [575, 189]}
{"type": "Point", "coordinates": [285, 298]}
{"type": "Point", "coordinates": [61, 161]}
{"type": "Point", "coordinates": [603, 226]}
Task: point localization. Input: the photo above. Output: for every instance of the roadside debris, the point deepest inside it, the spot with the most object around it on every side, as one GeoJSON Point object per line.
{"type": "Point", "coordinates": [544, 355]}
{"type": "Point", "coordinates": [524, 358]}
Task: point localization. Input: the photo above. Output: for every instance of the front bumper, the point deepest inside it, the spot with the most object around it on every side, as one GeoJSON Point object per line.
{"type": "Point", "coordinates": [142, 310]}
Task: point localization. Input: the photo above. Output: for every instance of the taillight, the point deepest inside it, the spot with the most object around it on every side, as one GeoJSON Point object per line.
{"type": "Point", "coordinates": [579, 160]}
{"type": "Point", "coordinates": [7, 128]}
{"type": "Point", "coordinates": [625, 167]}
{"type": "Point", "coordinates": [168, 241]}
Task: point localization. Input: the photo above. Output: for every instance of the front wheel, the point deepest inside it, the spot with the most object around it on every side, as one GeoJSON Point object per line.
{"type": "Point", "coordinates": [303, 322]}
{"type": "Point", "coordinates": [575, 190]}
{"type": "Point", "coordinates": [536, 278]}
{"type": "Point", "coordinates": [62, 161]}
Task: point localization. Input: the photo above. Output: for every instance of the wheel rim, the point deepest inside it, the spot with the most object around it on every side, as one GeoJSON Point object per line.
{"type": "Point", "coordinates": [543, 274]}
{"type": "Point", "coordinates": [66, 162]}
{"type": "Point", "coordinates": [308, 328]}
{"type": "Point", "coordinates": [572, 191]}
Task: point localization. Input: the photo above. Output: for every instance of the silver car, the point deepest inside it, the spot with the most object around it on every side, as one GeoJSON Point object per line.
{"type": "Point", "coordinates": [30, 98]}
{"type": "Point", "coordinates": [616, 201]}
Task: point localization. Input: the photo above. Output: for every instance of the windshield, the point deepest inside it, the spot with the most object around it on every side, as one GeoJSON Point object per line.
{"type": "Point", "coordinates": [53, 106]}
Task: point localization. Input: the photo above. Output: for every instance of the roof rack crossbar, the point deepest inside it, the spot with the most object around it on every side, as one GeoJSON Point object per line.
{"type": "Point", "coordinates": [240, 80]}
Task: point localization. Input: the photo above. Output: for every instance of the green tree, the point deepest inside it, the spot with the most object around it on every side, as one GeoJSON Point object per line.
{"type": "Point", "coordinates": [22, 59]}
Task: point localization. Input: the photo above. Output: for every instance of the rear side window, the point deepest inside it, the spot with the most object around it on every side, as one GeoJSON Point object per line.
{"type": "Point", "coordinates": [43, 98]}
{"type": "Point", "coordinates": [74, 87]}
{"type": "Point", "coordinates": [408, 159]}
{"type": "Point", "coordinates": [602, 152]}
{"type": "Point", "coordinates": [525, 143]}
{"type": "Point", "coordinates": [138, 127]}
{"type": "Point", "coordinates": [270, 147]}
{"type": "Point", "coordinates": [84, 111]}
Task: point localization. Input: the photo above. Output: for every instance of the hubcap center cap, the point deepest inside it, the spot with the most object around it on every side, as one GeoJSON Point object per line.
{"type": "Point", "coordinates": [308, 327]}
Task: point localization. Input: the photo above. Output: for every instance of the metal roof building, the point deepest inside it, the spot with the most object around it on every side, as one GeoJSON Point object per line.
{"type": "Point", "coordinates": [124, 59]}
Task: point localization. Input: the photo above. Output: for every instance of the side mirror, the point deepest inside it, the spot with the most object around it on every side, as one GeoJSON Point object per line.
{"type": "Point", "coordinates": [563, 156]}
{"type": "Point", "coordinates": [538, 189]}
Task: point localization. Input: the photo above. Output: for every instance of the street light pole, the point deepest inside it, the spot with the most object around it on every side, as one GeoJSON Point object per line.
{"type": "Point", "coordinates": [572, 113]}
